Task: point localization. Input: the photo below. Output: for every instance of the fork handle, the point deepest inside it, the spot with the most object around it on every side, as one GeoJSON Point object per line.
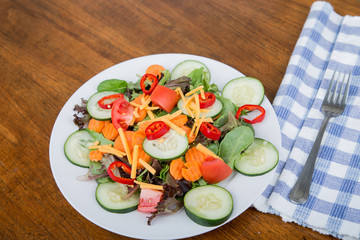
{"type": "Point", "coordinates": [300, 192]}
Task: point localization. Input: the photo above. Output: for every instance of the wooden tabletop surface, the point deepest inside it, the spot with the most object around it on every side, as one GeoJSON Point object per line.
{"type": "Point", "coordinates": [48, 49]}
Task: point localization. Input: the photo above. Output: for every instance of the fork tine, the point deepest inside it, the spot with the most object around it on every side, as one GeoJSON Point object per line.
{"type": "Point", "coordinates": [333, 100]}
{"type": "Point", "coordinates": [341, 96]}
{"type": "Point", "coordinates": [329, 88]}
{"type": "Point", "coordinates": [343, 102]}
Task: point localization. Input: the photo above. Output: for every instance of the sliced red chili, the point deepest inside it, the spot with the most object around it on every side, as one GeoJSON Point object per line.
{"type": "Point", "coordinates": [210, 131]}
{"type": "Point", "coordinates": [248, 108]}
{"type": "Point", "coordinates": [156, 130]}
{"type": "Point", "coordinates": [108, 101]}
{"type": "Point", "coordinates": [208, 101]}
{"type": "Point", "coordinates": [148, 79]}
{"type": "Point", "coordinates": [123, 166]}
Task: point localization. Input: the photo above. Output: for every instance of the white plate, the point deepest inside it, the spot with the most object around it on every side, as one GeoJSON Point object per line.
{"type": "Point", "coordinates": [81, 194]}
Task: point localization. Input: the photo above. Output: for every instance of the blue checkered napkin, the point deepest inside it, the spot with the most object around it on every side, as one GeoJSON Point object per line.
{"type": "Point", "coordinates": [327, 42]}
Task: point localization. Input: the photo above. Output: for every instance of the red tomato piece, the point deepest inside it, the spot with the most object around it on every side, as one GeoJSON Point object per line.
{"type": "Point", "coordinates": [164, 97]}
{"type": "Point", "coordinates": [208, 101]}
{"type": "Point", "coordinates": [210, 131]}
{"type": "Point", "coordinates": [156, 130]}
{"type": "Point", "coordinates": [122, 113]}
{"type": "Point", "coordinates": [215, 170]}
{"type": "Point", "coordinates": [149, 198]}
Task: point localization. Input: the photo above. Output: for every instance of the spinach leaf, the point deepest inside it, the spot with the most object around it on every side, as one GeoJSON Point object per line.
{"type": "Point", "coordinates": [234, 143]}
{"type": "Point", "coordinates": [228, 106]}
{"type": "Point", "coordinates": [115, 85]}
{"type": "Point", "coordinates": [196, 76]}
{"type": "Point", "coordinates": [99, 137]}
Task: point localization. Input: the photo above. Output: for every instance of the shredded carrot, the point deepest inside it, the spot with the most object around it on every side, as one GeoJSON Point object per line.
{"type": "Point", "coordinates": [155, 69]}
{"type": "Point", "coordinates": [180, 120]}
{"type": "Point", "coordinates": [192, 171]}
{"type": "Point", "coordinates": [194, 155]}
{"type": "Point", "coordinates": [110, 132]}
{"type": "Point", "coordinates": [176, 167]}
{"type": "Point", "coordinates": [140, 112]}
{"type": "Point", "coordinates": [118, 144]}
{"type": "Point", "coordinates": [97, 125]}
{"type": "Point", "coordinates": [95, 155]}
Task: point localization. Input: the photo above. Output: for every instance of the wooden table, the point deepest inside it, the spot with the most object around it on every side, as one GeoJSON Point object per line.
{"type": "Point", "coordinates": [48, 49]}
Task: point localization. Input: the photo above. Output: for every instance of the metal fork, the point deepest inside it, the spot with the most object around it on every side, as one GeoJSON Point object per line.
{"type": "Point", "coordinates": [332, 106]}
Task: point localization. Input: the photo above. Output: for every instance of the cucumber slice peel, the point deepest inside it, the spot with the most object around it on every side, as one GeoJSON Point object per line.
{"type": "Point", "coordinates": [186, 67]}
{"type": "Point", "coordinates": [76, 148]}
{"type": "Point", "coordinates": [259, 158]}
{"type": "Point", "coordinates": [110, 195]}
{"type": "Point", "coordinates": [244, 90]}
{"type": "Point", "coordinates": [208, 205]}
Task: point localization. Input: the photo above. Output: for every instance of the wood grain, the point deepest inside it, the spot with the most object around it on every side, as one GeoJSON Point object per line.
{"type": "Point", "coordinates": [50, 48]}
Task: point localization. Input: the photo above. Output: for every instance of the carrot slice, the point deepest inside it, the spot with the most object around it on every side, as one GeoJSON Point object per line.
{"type": "Point", "coordinates": [144, 156]}
{"type": "Point", "coordinates": [144, 125]}
{"type": "Point", "coordinates": [194, 155]}
{"type": "Point", "coordinates": [97, 125]}
{"type": "Point", "coordinates": [110, 132]}
{"type": "Point", "coordinates": [95, 155]}
{"type": "Point", "coordinates": [155, 69]}
{"type": "Point", "coordinates": [191, 137]}
{"type": "Point", "coordinates": [138, 138]}
{"type": "Point", "coordinates": [129, 138]}
{"type": "Point", "coordinates": [176, 167]}
{"type": "Point", "coordinates": [192, 171]}
{"type": "Point", "coordinates": [180, 120]}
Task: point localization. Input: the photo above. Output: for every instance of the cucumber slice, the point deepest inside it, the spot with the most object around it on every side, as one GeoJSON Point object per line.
{"type": "Point", "coordinates": [95, 110]}
{"type": "Point", "coordinates": [259, 158]}
{"type": "Point", "coordinates": [76, 148]}
{"type": "Point", "coordinates": [170, 146]}
{"type": "Point", "coordinates": [214, 110]}
{"type": "Point", "coordinates": [244, 90]}
{"type": "Point", "coordinates": [186, 67]}
{"type": "Point", "coordinates": [208, 205]}
{"type": "Point", "coordinates": [110, 197]}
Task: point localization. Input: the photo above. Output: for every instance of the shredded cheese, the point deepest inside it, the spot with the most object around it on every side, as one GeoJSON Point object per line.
{"type": "Point", "coordinates": [150, 114]}
{"type": "Point", "coordinates": [145, 103]}
{"type": "Point", "coordinates": [136, 113]}
{"type": "Point", "coordinates": [194, 90]}
{"type": "Point", "coordinates": [95, 145]}
{"type": "Point", "coordinates": [134, 161]}
{"type": "Point", "coordinates": [125, 144]}
{"type": "Point", "coordinates": [175, 127]}
{"type": "Point", "coordinates": [202, 93]}
{"type": "Point", "coordinates": [111, 150]}
{"type": "Point", "coordinates": [181, 94]}
{"type": "Point", "coordinates": [149, 186]}
{"type": "Point", "coordinates": [147, 166]}
{"type": "Point", "coordinates": [135, 104]}
{"type": "Point", "coordinates": [206, 151]}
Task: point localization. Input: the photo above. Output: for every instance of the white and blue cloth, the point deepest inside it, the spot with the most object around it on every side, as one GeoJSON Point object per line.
{"type": "Point", "coordinates": [327, 42]}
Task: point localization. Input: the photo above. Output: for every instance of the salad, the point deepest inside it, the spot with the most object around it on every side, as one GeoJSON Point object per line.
{"type": "Point", "coordinates": [166, 141]}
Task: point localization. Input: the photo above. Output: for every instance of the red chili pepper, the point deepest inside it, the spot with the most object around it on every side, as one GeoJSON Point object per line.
{"type": "Point", "coordinates": [156, 130]}
{"type": "Point", "coordinates": [210, 131]}
{"type": "Point", "coordinates": [249, 108]}
{"type": "Point", "coordinates": [126, 168]}
{"type": "Point", "coordinates": [154, 82]}
{"type": "Point", "coordinates": [112, 98]}
{"type": "Point", "coordinates": [208, 101]}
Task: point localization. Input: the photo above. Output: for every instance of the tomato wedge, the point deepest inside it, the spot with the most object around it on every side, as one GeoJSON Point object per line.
{"type": "Point", "coordinates": [156, 130]}
{"type": "Point", "coordinates": [215, 170]}
{"type": "Point", "coordinates": [122, 113]}
{"type": "Point", "coordinates": [210, 131]}
{"type": "Point", "coordinates": [165, 98]}
{"type": "Point", "coordinates": [208, 101]}
{"type": "Point", "coordinates": [148, 78]}
{"type": "Point", "coordinates": [108, 101]}
{"type": "Point", "coordinates": [149, 198]}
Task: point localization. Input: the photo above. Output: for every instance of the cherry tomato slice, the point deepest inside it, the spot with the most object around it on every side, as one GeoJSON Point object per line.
{"type": "Point", "coordinates": [210, 131]}
{"type": "Point", "coordinates": [208, 101]}
{"type": "Point", "coordinates": [156, 130]}
{"type": "Point", "coordinates": [143, 83]}
{"type": "Point", "coordinates": [149, 199]}
{"type": "Point", "coordinates": [122, 113]}
{"type": "Point", "coordinates": [108, 101]}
